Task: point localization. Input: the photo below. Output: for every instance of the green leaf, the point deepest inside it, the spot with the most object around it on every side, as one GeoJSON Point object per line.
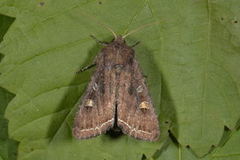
{"type": "Point", "coordinates": [44, 55]}
{"type": "Point", "coordinates": [7, 8]}
{"type": "Point", "coordinates": [229, 151]}
{"type": "Point", "coordinates": [199, 59]}
{"type": "Point", "coordinates": [5, 22]}
{"type": "Point", "coordinates": [8, 147]}
{"type": "Point", "coordinates": [191, 59]}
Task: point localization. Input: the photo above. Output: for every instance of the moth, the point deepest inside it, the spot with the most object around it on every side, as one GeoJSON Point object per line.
{"type": "Point", "coordinates": [117, 95]}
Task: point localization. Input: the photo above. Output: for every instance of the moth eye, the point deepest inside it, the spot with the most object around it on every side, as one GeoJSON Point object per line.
{"type": "Point", "coordinates": [144, 105]}
{"type": "Point", "coordinates": [89, 103]}
{"type": "Point", "coordinates": [139, 89]}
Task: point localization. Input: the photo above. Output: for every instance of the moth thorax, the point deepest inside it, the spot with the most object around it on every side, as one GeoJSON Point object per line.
{"type": "Point", "coordinates": [144, 105]}
{"type": "Point", "coordinates": [89, 103]}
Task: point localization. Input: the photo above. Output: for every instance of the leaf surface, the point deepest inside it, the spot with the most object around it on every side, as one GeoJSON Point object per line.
{"type": "Point", "coordinates": [190, 58]}
{"type": "Point", "coordinates": [229, 151]}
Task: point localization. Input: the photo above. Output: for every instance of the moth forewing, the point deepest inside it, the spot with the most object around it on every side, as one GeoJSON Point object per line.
{"type": "Point", "coordinates": [117, 94]}
{"type": "Point", "coordinates": [96, 111]}
{"type": "Point", "coordinates": [136, 115]}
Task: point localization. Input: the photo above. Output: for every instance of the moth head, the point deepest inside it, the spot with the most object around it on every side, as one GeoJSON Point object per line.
{"type": "Point", "coordinates": [119, 39]}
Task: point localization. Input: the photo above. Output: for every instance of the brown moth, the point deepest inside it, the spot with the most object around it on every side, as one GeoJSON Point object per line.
{"type": "Point", "coordinates": [117, 95]}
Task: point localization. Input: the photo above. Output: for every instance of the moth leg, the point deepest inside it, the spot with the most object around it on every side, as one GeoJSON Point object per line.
{"type": "Point", "coordinates": [98, 41]}
{"type": "Point", "coordinates": [86, 68]}
{"type": "Point", "coordinates": [135, 44]}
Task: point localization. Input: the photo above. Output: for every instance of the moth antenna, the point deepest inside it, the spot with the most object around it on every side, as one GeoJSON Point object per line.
{"type": "Point", "coordinates": [139, 28]}
{"type": "Point", "coordinates": [108, 28]}
{"type": "Point", "coordinates": [101, 24]}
